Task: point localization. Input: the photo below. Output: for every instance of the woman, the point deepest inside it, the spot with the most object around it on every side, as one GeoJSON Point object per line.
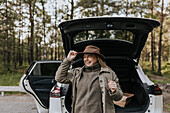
{"type": "Point", "coordinates": [94, 85]}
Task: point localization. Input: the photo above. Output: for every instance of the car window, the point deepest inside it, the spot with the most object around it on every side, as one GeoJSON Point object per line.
{"type": "Point", "coordinates": [45, 69]}
{"type": "Point", "coordinates": [104, 34]}
{"type": "Point", "coordinates": [30, 67]}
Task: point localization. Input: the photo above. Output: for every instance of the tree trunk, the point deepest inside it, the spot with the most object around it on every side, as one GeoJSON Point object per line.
{"type": "Point", "coordinates": [22, 52]}
{"type": "Point", "coordinates": [127, 8]}
{"type": "Point", "coordinates": [152, 41]}
{"type": "Point", "coordinates": [44, 34]}
{"type": "Point", "coordinates": [72, 9]}
{"type": "Point", "coordinates": [31, 9]}
{"type": "Point", "coordinates": [102, 7]}
{"type": "Point", "coordinates": [28, 49]}
{"type": "Point", "coordinates": [55, 48]}
{"type": "Point", "coordinates": [56, 33]}
{"type": "Point", "coordinates": [58, 51]}
{"type": "Point", "coordinates": [36, 53]}
{"type": "Point", "coordinates": [19, 49]}
{"type": "Point", "coordinates": [7, 38]}
{"type": "Point", "coordinates": [160, 39]}
{"type": "Point", "coordinates": [51, 53]}
{"type": "Point", "coordinates": [4, 48]}
{"type": "Point", "coordinates": [14, 55]}
{"type": "Point", "coordinates": [40, 50]}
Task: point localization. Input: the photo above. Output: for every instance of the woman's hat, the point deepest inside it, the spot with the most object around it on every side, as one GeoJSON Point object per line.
{"type": "Point", "coordinates": [91, 49]}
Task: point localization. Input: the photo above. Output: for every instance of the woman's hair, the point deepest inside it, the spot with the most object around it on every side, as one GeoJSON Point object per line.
{"type": "Point", "coordinates": [101, 62]}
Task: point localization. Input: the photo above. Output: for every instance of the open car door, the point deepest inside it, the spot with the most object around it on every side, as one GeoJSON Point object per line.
{"type": "Point", "coordinates": [39, 80]}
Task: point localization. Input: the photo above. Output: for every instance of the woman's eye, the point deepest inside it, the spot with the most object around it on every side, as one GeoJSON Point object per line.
{"type": "Point", "coordinates": [84, 57]}
{"type": "Point", "coordinates": [89, 55]}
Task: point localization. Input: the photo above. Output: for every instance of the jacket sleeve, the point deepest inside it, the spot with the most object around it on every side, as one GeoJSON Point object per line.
{"type": "Point", "coordinates": [62, 74]}
{"type": "Point", "coordinates": [118, 94]}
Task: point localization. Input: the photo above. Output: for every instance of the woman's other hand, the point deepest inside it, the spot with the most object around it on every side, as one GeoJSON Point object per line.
{"type": "Point", "coordinates": [71, 55]}
{"type": "Point", "coordinates": [112, 85]}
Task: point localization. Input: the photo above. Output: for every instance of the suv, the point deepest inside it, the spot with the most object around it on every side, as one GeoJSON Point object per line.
{"type": "Point", "coordinates": [121, 40]}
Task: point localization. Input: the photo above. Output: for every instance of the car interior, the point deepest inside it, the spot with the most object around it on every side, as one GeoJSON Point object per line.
{"type": "Point", "coordinates": [41, 79]}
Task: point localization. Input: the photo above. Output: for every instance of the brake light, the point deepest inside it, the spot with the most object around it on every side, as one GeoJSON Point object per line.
{"type": "Point", "coordinates": [157, 90]}
{"type": "Point", "coordinates": [55, 92]}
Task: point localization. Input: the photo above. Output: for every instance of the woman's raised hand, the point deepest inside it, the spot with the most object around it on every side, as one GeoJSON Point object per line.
{"type": "Point", "coordinates": [71, 55]}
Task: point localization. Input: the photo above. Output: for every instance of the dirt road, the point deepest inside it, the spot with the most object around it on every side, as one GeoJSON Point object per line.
{"type": "Point", "coordinates": [17, 104]}
{"type": "Point", "coordinates": [25, 103]}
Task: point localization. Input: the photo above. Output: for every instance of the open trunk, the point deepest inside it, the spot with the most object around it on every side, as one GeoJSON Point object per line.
{"type": "Point", "coordinates": [121, 41]}
{"type": "Point", "coordinates": [129, 82]}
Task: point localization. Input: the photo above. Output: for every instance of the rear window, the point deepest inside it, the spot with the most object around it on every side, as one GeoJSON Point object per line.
{"type": "Point", "coordinates": [104, 34]}
{"type": "Point", "coordinates": [45, 69]}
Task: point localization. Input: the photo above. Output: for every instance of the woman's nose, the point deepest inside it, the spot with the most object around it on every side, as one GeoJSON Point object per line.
{"type": "Point", "coordinates": [85, 58]}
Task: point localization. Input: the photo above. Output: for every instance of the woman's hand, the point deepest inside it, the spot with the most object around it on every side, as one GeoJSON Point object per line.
{"type": "Point", "coordinates": [112, 85]}
{"type": "Point", "coordinates": [71, 55]}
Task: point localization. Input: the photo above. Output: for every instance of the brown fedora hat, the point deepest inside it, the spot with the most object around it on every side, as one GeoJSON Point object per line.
{"type": "Point", "coordinates": [91, 49]}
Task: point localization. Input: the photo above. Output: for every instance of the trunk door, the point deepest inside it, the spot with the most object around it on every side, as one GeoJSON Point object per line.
{"type": "Point", "coordinates": [116, 36]}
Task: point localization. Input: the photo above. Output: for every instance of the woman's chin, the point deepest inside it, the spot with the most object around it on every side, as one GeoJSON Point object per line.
{"type": "Point", "coordinates": [88, 65]}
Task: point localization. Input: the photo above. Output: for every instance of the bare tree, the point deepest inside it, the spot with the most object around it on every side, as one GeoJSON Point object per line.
{"type": "Point", "coordinates": [160, 39]}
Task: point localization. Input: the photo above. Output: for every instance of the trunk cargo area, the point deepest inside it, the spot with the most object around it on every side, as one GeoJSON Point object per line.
{"type": "Point", "coordinates": [130, 82]}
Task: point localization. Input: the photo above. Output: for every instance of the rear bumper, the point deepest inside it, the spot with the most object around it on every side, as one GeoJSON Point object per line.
{"type": "Point", "coordinates": [57, 105]}
{"type": "Point", "coordinates": [156, 104]}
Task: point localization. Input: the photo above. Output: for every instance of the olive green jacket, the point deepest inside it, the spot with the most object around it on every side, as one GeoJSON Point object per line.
{"type": "Point", "coordinates": [73, 76]}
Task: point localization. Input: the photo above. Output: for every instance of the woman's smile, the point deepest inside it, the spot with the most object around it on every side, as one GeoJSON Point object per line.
{"type": "Point", "coordinates": [89, 59]}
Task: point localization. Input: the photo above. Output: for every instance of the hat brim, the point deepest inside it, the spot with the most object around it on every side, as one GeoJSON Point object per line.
{"type": "Point", "coordinates": [82, 53]}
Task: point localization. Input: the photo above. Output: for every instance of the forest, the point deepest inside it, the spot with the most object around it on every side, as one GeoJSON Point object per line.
{"type": "Point", "coordinates": [29, 29]}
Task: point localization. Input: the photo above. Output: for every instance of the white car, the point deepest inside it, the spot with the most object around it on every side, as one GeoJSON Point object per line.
{"type": "Point", "coordinates": [121, 40]}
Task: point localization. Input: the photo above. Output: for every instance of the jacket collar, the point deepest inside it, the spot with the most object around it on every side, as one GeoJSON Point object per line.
{"type": "Point", "coordinates": [104, 70]}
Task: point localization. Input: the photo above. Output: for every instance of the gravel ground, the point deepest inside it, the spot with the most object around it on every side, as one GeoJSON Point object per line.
{"type": "Point", "coordinates": [17, 104]}
{"type": "Point", "coordinates": [25, 103]}
{"type": "Point", "coordinates": [166, 96]}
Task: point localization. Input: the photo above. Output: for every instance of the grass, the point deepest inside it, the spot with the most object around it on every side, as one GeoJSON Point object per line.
{"type": "Point", "coordinates": [167, 107]}
{"type": "Point", "coordinates": [10, 79]}
{"type": "Point", "coordinates": [154, 76]}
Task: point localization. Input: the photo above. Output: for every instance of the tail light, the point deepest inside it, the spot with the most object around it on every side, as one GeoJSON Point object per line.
{"type": "Point", "coordinates": [156, 90]}
{"type": "Point", "coordinates": [56, 93]}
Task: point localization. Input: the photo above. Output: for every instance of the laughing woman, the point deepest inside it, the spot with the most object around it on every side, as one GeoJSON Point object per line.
{"type": "Point", "coordinates": [94, 85]}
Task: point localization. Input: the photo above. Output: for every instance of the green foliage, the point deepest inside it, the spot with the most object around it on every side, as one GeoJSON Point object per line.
{"type": "Point", "coordinates": [16, 14]}
{"type": "Point", "coordinates": [154, 76]}
{"type": "Point", "coordinates": [10, 79]}
{"type": "Point", "coordinates": [166, 70]}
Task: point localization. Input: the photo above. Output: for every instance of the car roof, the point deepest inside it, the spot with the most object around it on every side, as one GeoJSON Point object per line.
{"type": "Point", "coordinates": [48, 61]}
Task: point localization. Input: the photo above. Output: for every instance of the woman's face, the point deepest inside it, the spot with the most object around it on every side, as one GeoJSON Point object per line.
{"type": "Point", "coordinates": [89, 59]}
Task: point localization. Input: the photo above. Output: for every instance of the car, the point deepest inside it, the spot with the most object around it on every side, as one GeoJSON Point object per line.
{"type": "Point", "coordinates": [121, 40]}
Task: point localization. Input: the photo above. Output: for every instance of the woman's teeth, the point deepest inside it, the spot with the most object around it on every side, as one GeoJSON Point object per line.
{"type": "Point", "coordinates": [88, 62]}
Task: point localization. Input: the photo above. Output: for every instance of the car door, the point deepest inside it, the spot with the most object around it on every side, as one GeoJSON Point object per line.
{"type": "Point", "coordinates": [40, 79]}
